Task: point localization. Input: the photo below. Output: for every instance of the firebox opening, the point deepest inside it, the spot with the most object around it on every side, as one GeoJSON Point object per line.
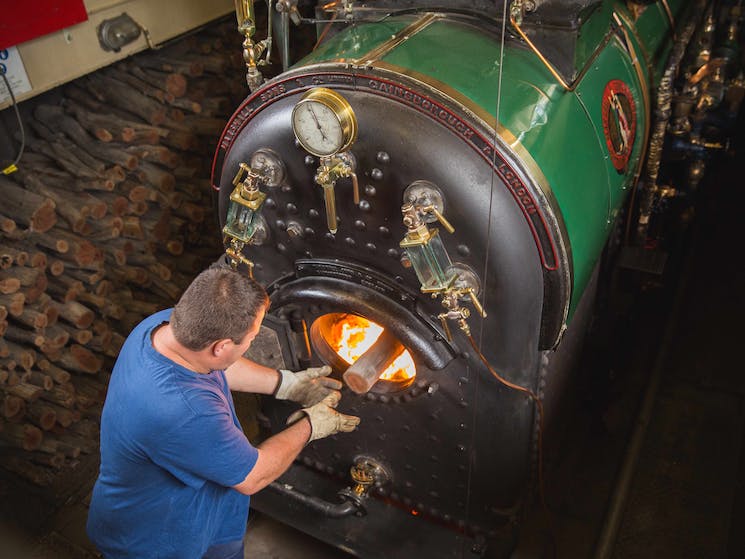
{"type": "Point", "coordinates": [341, 339]}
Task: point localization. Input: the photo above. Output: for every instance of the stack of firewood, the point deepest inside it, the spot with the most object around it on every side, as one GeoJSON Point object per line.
{"type": "Point", "coordinates": [108, 219]}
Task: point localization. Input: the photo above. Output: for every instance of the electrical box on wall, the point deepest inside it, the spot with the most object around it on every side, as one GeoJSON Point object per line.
{"type": "Point", "coordinates": [49, 43]}
{"type": "Point", "coordinates": [34, 19]}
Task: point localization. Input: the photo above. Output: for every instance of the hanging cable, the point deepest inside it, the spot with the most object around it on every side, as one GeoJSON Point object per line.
{"type": "Point", "coordinates": [8, 169]}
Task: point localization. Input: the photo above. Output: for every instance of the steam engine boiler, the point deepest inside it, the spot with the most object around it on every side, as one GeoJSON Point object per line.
{"type": "Point", "coordinates": [426, 197]}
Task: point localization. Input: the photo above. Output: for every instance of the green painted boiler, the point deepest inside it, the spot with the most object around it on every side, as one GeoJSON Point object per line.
{"type": "Point", "coordinates": [452, 175]}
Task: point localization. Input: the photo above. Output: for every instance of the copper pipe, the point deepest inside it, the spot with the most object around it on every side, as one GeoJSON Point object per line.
{"type": "Point", "coordinates": [543, 59]}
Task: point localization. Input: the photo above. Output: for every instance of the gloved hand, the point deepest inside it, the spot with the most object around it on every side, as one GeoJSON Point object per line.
{"type": "Point", "coordinates": [306, 387]}
{"type": "Point", "coordinates": [324, 419]}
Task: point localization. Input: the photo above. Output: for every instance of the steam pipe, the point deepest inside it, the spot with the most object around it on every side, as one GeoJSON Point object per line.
{"type": "Point", "coordinates": [348, 507]}
{"type": "Point", "coordinates": [663, 111]}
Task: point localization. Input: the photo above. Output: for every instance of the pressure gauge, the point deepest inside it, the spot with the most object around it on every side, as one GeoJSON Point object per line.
{"type": "Point", "coordinates": [324, 122]}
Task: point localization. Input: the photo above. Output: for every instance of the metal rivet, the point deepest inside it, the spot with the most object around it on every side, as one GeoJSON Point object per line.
{"type": "Point", "coordinates": [463, 250]}
{"type": "Point", "coordinates": [462, 447]}
{"type": "Point", "coordinates": [364, 205]}
{"type": "Point", "coordinates": [281, 247]}
{"type": "Point", "coordinates": [313, 213]}
{"type": "Point", "coordinates": [310, 160]}
{"type": "Point", "coordinates": [383, 157]}
{"type": "Point", "coordinates": [376, 174]}
{"type": "Point", "coordinates": [370, 190]}
{"type": "Point", "coordinates": [384, 232]}
{"type": "Point", "coordinates": [393, 253]}
{"type": "Point", "coordinates": [291, 208]}
{"type": "Point", "coordinates": [350, 242]}
{"type": "Point", "coordinates": [270, 203]}
{"type": "Point", "coordinates": [359, 224]}
{"type": "Point", "coordinates": [294, 229]}
{"type": "Point", "coordinates": [329, 236]}
{"type": "Point", "coordinates": [281, 225]}
{"type": "Point", "coordinates": [371, 247]}
{"type": "Point", "coordinates": [286, 188]}
{"type": "Point", "coordinates": [309, 232]}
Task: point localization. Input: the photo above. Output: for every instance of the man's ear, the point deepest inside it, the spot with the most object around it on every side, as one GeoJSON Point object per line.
{"type": "Point", "coordinates": [219, 346]}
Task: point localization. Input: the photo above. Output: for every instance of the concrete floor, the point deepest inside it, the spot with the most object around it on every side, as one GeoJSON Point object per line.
{"type": "Point", "coordinates": [265, 539]}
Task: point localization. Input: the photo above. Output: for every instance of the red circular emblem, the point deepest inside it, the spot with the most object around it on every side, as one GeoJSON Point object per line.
{"type": "Point", "coordinates": [619, 122]}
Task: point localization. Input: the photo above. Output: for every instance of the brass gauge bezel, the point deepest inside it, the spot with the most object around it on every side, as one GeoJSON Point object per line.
{"type": "Point", "coordinates": [342, 111]}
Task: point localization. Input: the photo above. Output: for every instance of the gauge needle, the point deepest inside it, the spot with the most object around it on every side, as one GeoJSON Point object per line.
{"type": "Point", "coordinates": [318, 124]}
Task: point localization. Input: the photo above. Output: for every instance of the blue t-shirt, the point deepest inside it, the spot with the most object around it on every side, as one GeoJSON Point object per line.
{"type": "Point", "coordinates": [171, 448]}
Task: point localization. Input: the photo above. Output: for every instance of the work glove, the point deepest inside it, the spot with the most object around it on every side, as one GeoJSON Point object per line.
{"type": "Point", "coordinates": [324, 419]}
{"type": "Point", "coordinates": [306, 387]}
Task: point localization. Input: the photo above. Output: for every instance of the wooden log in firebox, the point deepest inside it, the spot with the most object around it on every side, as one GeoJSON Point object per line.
{"type": "Point", "coordinates": [363, 373]}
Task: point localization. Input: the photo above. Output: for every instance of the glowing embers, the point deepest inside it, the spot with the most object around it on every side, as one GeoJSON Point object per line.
{"type": "Point", "coordinates": [373, 357]}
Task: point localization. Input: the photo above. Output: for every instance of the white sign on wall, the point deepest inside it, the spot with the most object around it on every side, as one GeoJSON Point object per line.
{"type": "Point", "coordinates": [15, 71]}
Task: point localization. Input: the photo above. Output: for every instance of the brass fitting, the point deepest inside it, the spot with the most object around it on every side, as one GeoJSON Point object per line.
{"type": "Point", "coordinates": [236, 256]}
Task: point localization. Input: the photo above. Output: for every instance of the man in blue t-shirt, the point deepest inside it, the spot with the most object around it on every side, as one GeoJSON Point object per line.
{"type": "Point", "coordinates": [176, 469]}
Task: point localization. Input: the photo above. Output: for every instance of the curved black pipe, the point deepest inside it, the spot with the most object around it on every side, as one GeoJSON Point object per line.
{"type": "Point", "coordinates": [331, 510]}
{"type": "Point", "coordinates": [338, 295]}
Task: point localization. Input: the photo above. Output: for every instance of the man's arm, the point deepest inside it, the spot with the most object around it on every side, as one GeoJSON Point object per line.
{"type": "Point", "coordinates": [275, 456]}
{"type": "Point", "coordinates": [247, 376]}
{"type": "Point", "coordinates": [277, 453]}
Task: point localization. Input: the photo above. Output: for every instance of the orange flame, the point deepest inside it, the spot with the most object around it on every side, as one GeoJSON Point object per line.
{"type": "Point", "coordinates": [353, 335]}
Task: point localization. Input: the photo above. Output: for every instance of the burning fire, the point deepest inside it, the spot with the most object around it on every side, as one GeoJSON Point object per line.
{"type": "Point", "coordinates": [352, 335]}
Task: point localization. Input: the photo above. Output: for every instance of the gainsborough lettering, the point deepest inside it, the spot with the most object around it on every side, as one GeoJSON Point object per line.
{"type": "Point", "coordinates": [425, 105]}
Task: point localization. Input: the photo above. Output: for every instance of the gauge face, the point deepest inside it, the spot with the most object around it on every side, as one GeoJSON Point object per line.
{"type": "Point", "coordinates": [323, 122]}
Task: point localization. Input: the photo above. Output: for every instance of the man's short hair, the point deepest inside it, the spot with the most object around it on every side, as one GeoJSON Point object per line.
{"type": "Point", "coordinates": [220, 303]}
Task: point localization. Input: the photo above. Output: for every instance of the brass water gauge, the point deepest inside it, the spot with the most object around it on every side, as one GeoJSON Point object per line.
{"type": "Point", "coordinates": [323, 122]}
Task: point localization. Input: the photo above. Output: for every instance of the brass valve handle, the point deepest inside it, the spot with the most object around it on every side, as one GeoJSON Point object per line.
{"type": "Point", "coordinates": [441, 218]}
{"type": "Point", "coordinates": [236, 257]}
{"type": "Point", "coordinates": [355, 189]}
{"type": "Point", "coordinates": [329, 199]}
{"type": "Point", "coordinates": [444, 321]}
{"type": "Point", "coordinates": [242, 169]}
{"type": "Point", "coordinates": [476, 303]}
